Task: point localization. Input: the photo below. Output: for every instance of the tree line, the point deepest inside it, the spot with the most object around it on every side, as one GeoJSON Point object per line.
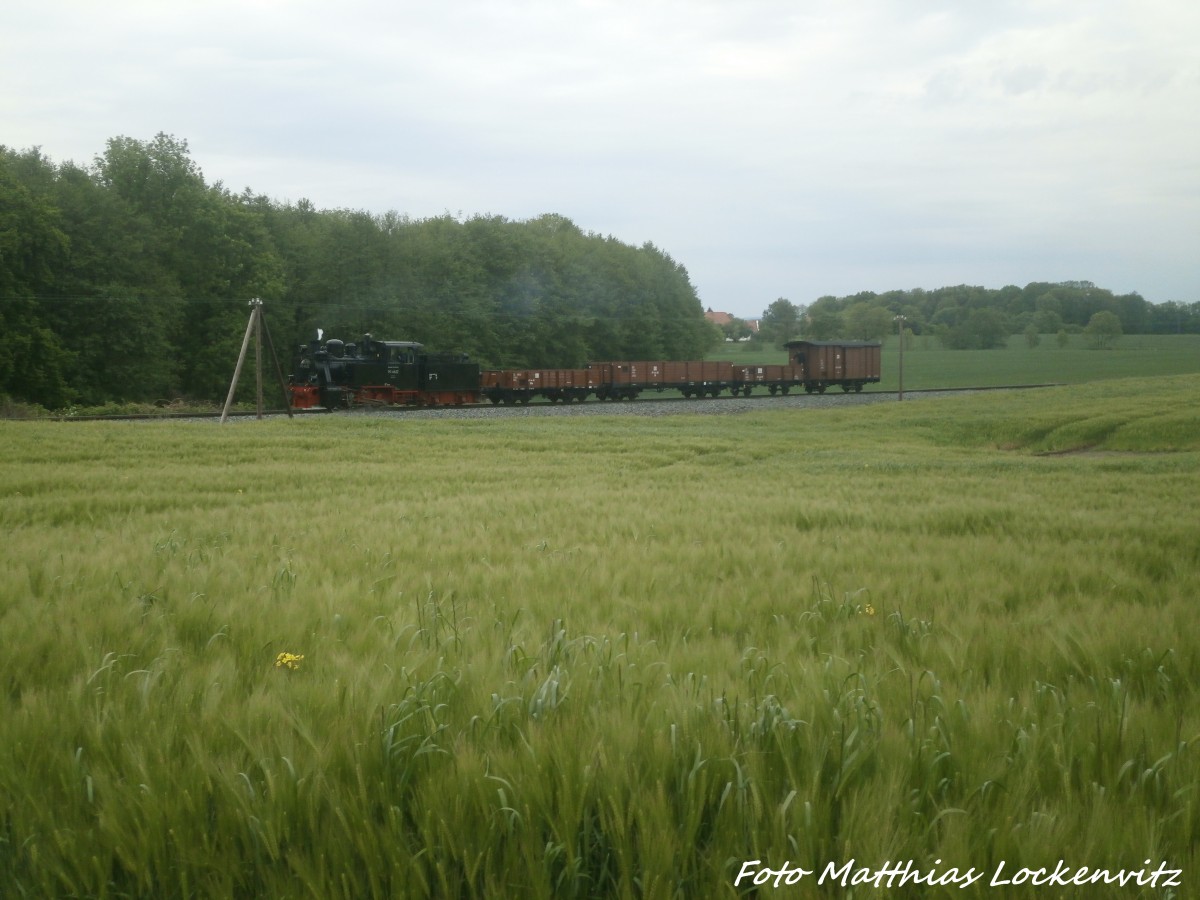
{"type": "Point", "coordinates": [128, 280]}
{"type": "Point", "coordinates": [965, 317]}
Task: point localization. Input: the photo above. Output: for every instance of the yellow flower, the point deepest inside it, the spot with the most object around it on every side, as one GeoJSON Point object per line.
{"type": "Point", "coordinates": [869, 609]}
{"type": "Point", "coordinates": [288, 661]}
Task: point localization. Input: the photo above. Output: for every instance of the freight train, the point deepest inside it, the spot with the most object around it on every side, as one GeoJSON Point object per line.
{"type": "Point", "coordinates": [338, 375]}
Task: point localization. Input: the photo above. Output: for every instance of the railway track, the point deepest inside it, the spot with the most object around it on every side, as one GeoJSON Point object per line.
{"type": "Point", "coordinates": [645, 405]}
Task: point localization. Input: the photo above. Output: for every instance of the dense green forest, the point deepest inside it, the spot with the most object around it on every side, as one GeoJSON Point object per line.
{"type": "Point", "coordinates": [128, 280]}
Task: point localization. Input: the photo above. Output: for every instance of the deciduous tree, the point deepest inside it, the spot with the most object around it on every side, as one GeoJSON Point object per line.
{"type": "Point", "coordinates": [780, 322]}
{"type": "Point", "coordinates": [1103, 330]}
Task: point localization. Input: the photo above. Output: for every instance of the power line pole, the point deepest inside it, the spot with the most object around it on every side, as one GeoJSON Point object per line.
{"type": "Point", "coordinates": [256, 327]}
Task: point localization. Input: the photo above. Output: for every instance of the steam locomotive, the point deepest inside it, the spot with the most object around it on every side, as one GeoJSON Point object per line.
{"type": "Point", "coordinates": [337, 375]}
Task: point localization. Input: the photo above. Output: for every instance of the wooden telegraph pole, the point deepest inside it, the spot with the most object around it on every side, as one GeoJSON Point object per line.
{"type": "Point", "coordinates": [257, 326]}
{"type": "Point", "coordinates": [900, 320]}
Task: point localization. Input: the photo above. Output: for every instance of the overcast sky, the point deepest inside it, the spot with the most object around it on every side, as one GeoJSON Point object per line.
{"type": "Point", "coordinates": [775, 148]}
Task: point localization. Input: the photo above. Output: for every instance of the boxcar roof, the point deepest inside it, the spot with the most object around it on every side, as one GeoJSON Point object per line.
{"type": "Point", "coordinates": [833, 343]}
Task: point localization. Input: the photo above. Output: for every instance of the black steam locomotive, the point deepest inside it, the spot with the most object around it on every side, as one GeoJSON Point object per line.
{"type": "Point", "coordinates": [339, 375]}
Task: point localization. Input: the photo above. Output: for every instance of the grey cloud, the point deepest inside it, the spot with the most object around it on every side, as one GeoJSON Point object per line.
{"type": "Point", "coordinates": [773, 148]}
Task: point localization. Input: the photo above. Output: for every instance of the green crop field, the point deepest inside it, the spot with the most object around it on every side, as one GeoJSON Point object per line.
{"type": "Point", "coordinates": [928, 365]}
{"type": "Point", "coordinates": [608, 656]}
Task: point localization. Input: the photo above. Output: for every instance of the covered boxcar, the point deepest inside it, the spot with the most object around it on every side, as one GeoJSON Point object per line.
{"type": "Point", "coordinates": [848, 364]}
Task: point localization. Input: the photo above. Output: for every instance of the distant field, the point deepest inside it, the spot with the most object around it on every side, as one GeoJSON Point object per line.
{"type": "Point", "coordinates": [927, 365]}
{"type": "Point", "coordinates": [604, 656]}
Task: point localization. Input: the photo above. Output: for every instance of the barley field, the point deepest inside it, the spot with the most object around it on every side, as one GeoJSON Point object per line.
{"type": "Point", "coordinates": [608, 657]}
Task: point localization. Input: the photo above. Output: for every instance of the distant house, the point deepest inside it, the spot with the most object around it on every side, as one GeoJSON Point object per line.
{"type": "Point", "coordinates": [718, 318]}
{"type": "Point", "coordinates": [724, 318]}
